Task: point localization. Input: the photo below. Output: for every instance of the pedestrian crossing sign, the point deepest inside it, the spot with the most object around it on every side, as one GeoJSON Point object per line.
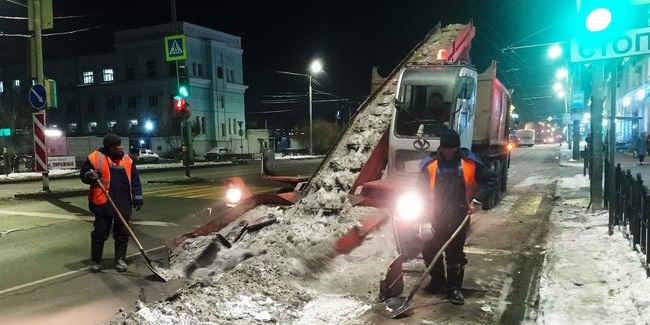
{"type": "Point", "coordinates": [175, 47]}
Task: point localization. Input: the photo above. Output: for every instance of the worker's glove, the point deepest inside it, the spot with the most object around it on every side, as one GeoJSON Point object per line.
{"type": "Point", "coordinates": [476, 205]}
{"type": "Point", "coordinates": [91, 176]}
{"type": "Point", "coordinates": [137, 204]}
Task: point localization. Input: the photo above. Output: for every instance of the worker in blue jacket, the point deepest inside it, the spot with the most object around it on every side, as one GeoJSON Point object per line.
{"type": "Point", "coordinates": [457, 182]}
{"type": "Point", "coordinates": [119, 176]}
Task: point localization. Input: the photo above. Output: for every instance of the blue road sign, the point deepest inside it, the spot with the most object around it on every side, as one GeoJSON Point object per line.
{"type": "Point", "coordinates": [37, 96]}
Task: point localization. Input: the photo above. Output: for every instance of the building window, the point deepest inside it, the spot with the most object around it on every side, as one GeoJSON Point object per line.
{"type": "Point", "coordinates": [72, 128]}
{"type": "Point", "coordinates": [194, 72]}
{"type": "Point", "coordinates": [153, 101]}
{"type": "Point", "coordinates": [108, 75]}
{"type": "Point", "coordinates": [2, 87]}
{"type": "Point", "coordinates": [151, 69]}
{"type": "Point", "coordinates": [220, 72]}
{"type": "Point", "coordinates": [223, 129]}
{"type": "Point", "coordinates": [228, 75]}
{"type": "Point", "coordinates": [90, 106]}
{"type": "Point", "coordinates": [92, 126]}
{"type": "Point", "coordinates": [130, 73]}
{"type": "Point", "coordinates": [88, 77]}
{"type": "Point", "coordinates": [110, 104]}
{"type": "Point", "coordinates": [172, 69]}
{"type": "Point", "coordinates": [223, 101]}
{"type": "Point", "coordinates": [200, 69]}
{"type": "Point", "coordinates": [16, 85]}
{"type": "Point", "coordinates": [131, 102]}
{"type": "Point", "coordinates": [197, 121]}
{"type": "Point", "coordinates": [110, 125]}
{"type": "Point", "coordinates": [232, 76]}
{"type": "Point", "coordinates": [229, 126]}
{"type": "Point", "coordinates": [133, 124]}
{"type": "Point", "coordinates": [203, 126]}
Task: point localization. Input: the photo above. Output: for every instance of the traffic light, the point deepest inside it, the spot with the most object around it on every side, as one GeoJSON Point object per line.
{"type": "Point", "coordinates": [181, 107]}
{"type": "Point", "coordinates": [600, 20]}
{"type": "Point", "coordinates": [183, 82]}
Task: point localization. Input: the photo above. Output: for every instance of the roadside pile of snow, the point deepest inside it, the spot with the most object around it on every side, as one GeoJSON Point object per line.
{"type": "Point", "coordinates": [590, 277]}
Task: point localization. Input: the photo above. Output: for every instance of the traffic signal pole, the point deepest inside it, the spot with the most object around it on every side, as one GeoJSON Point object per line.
{"type": "Point", "coordinates": [186, 147]}
{"type": "Point", "coordinates": [597, 83]}
{"type": "Point", "coordinates": [40, 75]}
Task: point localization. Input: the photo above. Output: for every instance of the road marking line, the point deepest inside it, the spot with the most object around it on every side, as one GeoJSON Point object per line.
{"type": "Point", "coordinates": [6, 213]}
{"type": "Point", "coordinates": [530, 206]}
{"type": "Point", "coordinates": [58, 276]}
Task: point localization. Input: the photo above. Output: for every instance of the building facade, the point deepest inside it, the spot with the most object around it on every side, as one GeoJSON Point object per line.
{"type": "Point", "coordinates": [130, 91]}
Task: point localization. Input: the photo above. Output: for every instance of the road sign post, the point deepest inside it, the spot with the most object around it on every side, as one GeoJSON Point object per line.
{"type": "Point", "coordinates": [37, 96]}
{"type": "Point", "coordinates": [40, 148]}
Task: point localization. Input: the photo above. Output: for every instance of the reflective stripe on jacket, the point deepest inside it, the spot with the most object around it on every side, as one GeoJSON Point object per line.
{"type": "Point", "coordinates": [469, 173]}
{"type": "Point", "coordinates": [102, 164]}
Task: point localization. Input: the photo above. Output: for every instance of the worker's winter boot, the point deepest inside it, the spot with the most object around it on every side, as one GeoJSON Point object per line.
{"type": "Point", "coordinates": [438, 281]}
{"type": "Point", "coordinates": [455, 274]}
{"type": "Point", "coordinates": [120, 256]}
{"type": "Point", "coordinates": [96, 250]}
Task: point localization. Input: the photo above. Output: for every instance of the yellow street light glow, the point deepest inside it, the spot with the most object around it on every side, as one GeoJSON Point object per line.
{"type": "Point", "coordinates": [627, 101]}
{"type": "Point", "coordinates": [316, 67]}
{"type": "Point", "coordinates": [561, 94]}
{"type": "Point", "coordinates": [557, 86]}
{"type": "Point", "coordinates": [561, 74]}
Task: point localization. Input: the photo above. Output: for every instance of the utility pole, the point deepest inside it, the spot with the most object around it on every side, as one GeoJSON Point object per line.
{"type": "Point", "coordinates": [40, 16]}
{"type": "Point", "coordinates": [597, 82]}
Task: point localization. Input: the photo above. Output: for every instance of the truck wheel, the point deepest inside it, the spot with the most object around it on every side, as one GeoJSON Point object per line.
{"type": "Point", "coordinates": [492, 200]}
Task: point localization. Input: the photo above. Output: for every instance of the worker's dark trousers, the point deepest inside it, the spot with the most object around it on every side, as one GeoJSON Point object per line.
{"type": "Point", "coordinates": [101, 232]}
{"type": "Point", "coordinates": [454, 254]}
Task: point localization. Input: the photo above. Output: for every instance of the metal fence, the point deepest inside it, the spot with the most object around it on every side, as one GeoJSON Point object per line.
{"type": "Point", "coordinates": [629, 208]}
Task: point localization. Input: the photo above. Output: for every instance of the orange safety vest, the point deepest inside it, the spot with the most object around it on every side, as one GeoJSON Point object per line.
{"type": "Point", "coordinates": [102, 164]}
{"type": "Point", "coordinates": [469, 171]}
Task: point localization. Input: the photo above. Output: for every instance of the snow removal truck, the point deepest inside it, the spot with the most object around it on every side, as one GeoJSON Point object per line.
{"type": "Point", "coordinates": [375, 162]}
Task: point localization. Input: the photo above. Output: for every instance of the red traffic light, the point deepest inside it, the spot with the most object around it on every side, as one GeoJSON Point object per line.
{"type": "Point", "coordinates": [180, 104]}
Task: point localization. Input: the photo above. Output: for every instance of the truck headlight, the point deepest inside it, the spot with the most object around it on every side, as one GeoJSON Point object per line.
{"type": "Point", "coordinates": [233, 196]}
{"type": "Point", "coordinates": [410, 206]}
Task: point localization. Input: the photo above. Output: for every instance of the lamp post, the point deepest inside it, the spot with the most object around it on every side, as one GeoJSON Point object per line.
{"type": "Point", "coordinates": [554, 52]}
{"type": "Point", "coordinates": [148, 126]}
{"type": "Point", "coordinates": [314, 68]}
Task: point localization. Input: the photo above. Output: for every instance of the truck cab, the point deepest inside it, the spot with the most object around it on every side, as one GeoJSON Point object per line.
{"type": "Point", "coordinates": [429, 100]}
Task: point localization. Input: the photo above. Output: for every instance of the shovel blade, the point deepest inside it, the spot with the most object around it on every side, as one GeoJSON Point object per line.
{"type": "Point", "coordinates": [396, 307]}
{"type": "Point", "coordinates": [156, 274]}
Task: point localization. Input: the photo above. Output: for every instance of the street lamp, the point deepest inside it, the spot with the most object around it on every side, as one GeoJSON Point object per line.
{"type": "Point", "coordinates": [314, 68]}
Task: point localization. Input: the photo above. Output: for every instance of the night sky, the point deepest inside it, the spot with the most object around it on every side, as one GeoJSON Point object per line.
{"type": "Point", "coordinates": [350, 37]}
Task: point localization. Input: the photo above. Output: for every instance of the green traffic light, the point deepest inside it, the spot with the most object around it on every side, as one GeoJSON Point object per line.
{"type": "Point", "coordinates": [598, 19]}
{"type": "Point", "coordinates": [183, 91]}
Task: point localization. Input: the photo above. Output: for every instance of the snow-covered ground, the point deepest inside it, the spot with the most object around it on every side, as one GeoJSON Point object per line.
{"type": "Point", "coordinates": [589, 277]}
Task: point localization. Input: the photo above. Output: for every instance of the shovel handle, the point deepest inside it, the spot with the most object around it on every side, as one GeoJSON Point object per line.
{"type": "Point", "coordinates": [119, 214]}
{"type": "Point", "coordinates": [435, 259]}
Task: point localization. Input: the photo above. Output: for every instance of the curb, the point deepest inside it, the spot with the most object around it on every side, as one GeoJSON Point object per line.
{"type": "Point", "coordinates": [58, 194]}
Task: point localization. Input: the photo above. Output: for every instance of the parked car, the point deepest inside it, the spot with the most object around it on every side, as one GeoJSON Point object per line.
{"type": "Point", "coordinates": [217, 154]}
{"type": "Point", "coordinates": [146, 155]}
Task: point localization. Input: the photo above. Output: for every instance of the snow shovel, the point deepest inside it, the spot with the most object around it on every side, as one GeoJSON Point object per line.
{"type": "Point", "coordinates": [397, 306]}
{"type": "Point", "coordinates": [135, 239]}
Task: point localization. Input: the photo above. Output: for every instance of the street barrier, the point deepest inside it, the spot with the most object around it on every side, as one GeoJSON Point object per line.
{"type": "Point", "coordinates": [629, 209]}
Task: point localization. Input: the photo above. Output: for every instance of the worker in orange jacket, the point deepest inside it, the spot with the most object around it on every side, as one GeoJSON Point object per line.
{"type": "Point", "coordinates": [458, 183]}
{"type": "Point", "coordinates": [119, 176]}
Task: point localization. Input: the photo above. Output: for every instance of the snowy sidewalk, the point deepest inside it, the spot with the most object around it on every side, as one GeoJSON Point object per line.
{"type": "Point", "coordinates": [588, 276]}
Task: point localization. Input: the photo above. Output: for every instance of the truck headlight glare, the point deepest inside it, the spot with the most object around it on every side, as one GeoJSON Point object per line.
{"type": "Point", "coordinates": [233, 195]}
{"type": "Point", "coordinates": [410, 206]}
